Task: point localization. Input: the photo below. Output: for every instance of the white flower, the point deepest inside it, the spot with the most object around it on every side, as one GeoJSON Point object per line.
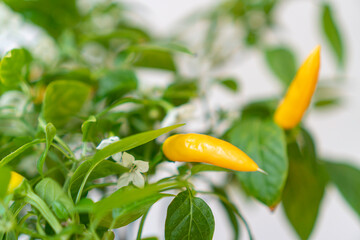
{"type": "Point", "coordinates": [106, 142]}
{"type": "Point", "coordinates": [136, 168]}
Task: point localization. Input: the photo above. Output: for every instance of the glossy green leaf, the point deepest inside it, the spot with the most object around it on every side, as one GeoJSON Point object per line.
{"type": "Point", "coordinates": [52, 193]}
{"type": "Point", "coordinates": [264, 142]}
{"type": "Point", "coordinates": [347, 180]}
{"type": "Point", "coordinates": [303, 192]}
{"type": "Point", "coordinates": [5, 175]}
{"type": "Point", "coordinates": [50, 132]}
{"type": "Point", "coordinates": [64, 99]}
{"type": "Point", "coordinates": [83, 172]}
{"type": "Point", "coordinates": [332, 33]}
{"type": "Point", "coordinates": [11, 66]}
{"type": "Point", "coordinates": [282, 63]}
{"type": "Point", "coordinates": [189, 217]}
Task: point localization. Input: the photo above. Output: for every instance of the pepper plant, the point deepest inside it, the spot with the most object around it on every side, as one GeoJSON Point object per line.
{"type": "Point", "coordinates": [81, 138]}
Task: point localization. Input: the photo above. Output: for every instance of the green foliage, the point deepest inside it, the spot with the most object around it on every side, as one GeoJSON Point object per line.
{"type": "Point", "coordinates": [332, 33]}
{"type": "Point", "coordinates": [64, 99]}
{"type": "Point", "coordinates": [346, 178]}
{"type": "Point", "coordinates": [282, 63]}
{"type": "Point", "coordinates": [264, 142]}
{"type": "Point", "coordinates": [50, 132]}
{"type": "Point", "coordinates": [11, 66]}
{"type": "Point", "coordinates": [4, 179]}
{"type": "Point", "coordinates": [189, 217]}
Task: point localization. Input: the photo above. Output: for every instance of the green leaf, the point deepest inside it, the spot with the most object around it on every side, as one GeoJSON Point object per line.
{"type": "Point", "coordinates": [332, 33]}
{"type": "Point", "coordinates": [64, 99]}
{"type": "Point", "coordinates": [130, 211]}
{"type": "Point", "coordinates": [115, 84]}
{"type": "Point", "coordinates": [303, 192]}
{"type": "Point", "coordinates": [161, 46]}
{"type": "Point", "coordinates": [128, 202]}
{"type": "Point", "coordinates": [282, 63]}
{"type": "Point", "coordinates": [50, 132]}
{"type": "Point", "coordinates": [83, 172]}
{"type": "Point", "coordinates": [85, 127]}
{"type": "Point", "coordinates": [5, 175]}
{"type": "Point", "coordinates": [264, 142]}
{"type": "Point", "coordinates": [181, 92]}
{"type": "Point", "coordinates": [8, 158]}
{"type": "Point", "coordinates": [189, 217]}
{"type": "Point", "coordinates": [11, 66]}
{"type": "Point", "coordinates": [204, 168]}
{"type": "Point", "coordinates": [347, 180]}
{"type": "Point", "coordinates": [229, 83]}
{"type": "Point", "coordinates": [54, 196]}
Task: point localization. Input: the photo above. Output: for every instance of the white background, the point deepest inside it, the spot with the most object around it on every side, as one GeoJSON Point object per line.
{"type": "Point", "coordinates": [336, 131]}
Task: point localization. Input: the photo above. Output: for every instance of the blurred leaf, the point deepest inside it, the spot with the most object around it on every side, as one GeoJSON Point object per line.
{"type": "Point", "coordinates": [11, 66]}
{"type": "Point", "coordinates": [63, 99]}
{"type": "Point", "coordinates": [50, 132]}
{"type": "Point", "coordinates": [281, 61]}
{"type": "Point", "coordinates": [130, 211]}
{"type": "Point", "coordinates": [85, 127]}
{"type": "Point", "coordinates": [189, 217]}
{"type": "Point", "coordinates": [180, 92]}
{"type": "Point", "coordinates": [332, 33]}
{"type": "Point", "coordinates": [303, 192]}
{"type": "Point", "coordinates": [229, 83]}
{"type": "Point", "coordinates": [5, 175]}
{"type": "Point", "coordinates": [161, 46]}
{"type": "Point", "coordinates": [265, 143]}
{"type": "Point", "coordinates": [116, 84]}
{"type": "Point", "coordinates": [205, 168]}
{"type": "Point", "coordinates": [53, 16]}
{"type": "Point", "coordinates": [52, 193]}
{"type": "Point", "coordinates": [347, 180]}
{"type": "Point", "coordinates": [83, 172]}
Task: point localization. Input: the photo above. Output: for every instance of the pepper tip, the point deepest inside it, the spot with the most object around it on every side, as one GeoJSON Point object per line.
{"type": "Point", "coordinates": [262, 171]}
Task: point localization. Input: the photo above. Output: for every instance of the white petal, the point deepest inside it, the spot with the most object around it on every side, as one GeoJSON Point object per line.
{"type": "Point", "coordinates": [117, 156]}
{"type": "Point", "coordinates": [170, 118]}
{"type": "Point", "coordinates": [142, 166]}
{"type": "Point", "coordinates": [124, 180]}
{"type": "Point", "coordinates": [138, 179]}
{"type": "Point", "coordinates": [127, 160]}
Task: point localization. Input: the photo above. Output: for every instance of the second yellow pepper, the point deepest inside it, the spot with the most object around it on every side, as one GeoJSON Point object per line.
{"type": "Point", "coordinates": [298, 97]}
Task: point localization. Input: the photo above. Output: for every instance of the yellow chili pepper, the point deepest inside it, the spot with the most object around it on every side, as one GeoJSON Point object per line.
{"type": "Point", "coordinates": [298, 97]}
{"type": "Point", "coordinates": [15, 181]}
{"type": "Point", "coordinates": [194, 147]}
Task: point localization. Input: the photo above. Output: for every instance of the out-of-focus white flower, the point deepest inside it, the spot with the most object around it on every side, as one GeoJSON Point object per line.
{"type": "Point", "coordinates": [106, 142]}
{"type": "Point", "coordinates": [179, 115]}
{"type": "Point", "coordinates": [13, 102]}
{"type": "Point", "coordinates": [134, 175]}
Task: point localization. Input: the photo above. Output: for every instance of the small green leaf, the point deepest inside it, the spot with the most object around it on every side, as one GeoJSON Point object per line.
{"type": "Point", "coordinates": [332, 33]}
{"type": "Point", "coordinates": [11, 66]}
{"type": "Point", "coordinates": [282, 63]}
{"type": "Point", "coordinates": [5, 175]}
{"type": "Point", "coordinates": [162, 46]}
{"type": "Point", "coordinates": [64, 99]}
{"type": "Point", "coordinates": [52, 193]}
{"type": "Point", "coordinates": [206, 168]}
{"type": "Point", "coordinates": [304, 190]}
{"type": "Point", "coordinates": [85, 127]}
{"type": "Point", "coordinates": [229, 83]}
{"type": "Point", "coordinates": [189, 217]}
{"type": "Point", "coordinates": [347, 180]}
{"type": "Point", "coordinates": [181, 92]}
{"type": "Point", "coordinates": [265, 143]}
{"type": "Point", "coordinates": [50, 132]}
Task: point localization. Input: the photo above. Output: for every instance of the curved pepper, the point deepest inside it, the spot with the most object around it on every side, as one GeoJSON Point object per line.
{"type": "Point", "coordinates": [298, 97]}
{"type": "Point", "coordinates": [194, 147]}
{"type": "Point", "coordinates": [15, 181]}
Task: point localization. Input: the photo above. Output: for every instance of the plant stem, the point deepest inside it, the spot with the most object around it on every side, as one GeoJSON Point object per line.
{"type": "Point", "coordinates": [141, 226]}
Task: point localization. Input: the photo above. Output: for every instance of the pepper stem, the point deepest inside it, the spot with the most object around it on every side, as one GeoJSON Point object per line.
{"type": "Point", "coordinates": [262, 171]}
